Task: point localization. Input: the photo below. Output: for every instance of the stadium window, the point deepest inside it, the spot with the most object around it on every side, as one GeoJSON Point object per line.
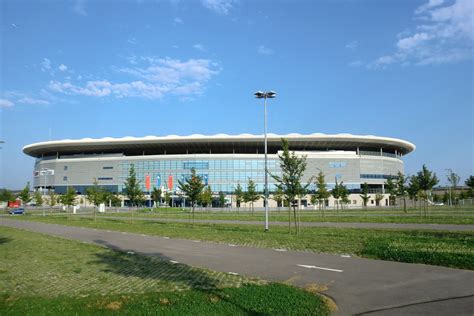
{"type": "Point", "coordinates": [65, 178]}
{"type": "Point", "coordinates": [65, 168]}
{"type": "Point", "coordinates": [105, 178]}
{"type": "Point", "coordinates": [107, 167]}
{"type": "Point", "coordinates": [338, 164]}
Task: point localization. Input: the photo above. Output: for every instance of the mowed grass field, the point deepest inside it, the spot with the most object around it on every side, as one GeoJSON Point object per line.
{"type": "Point", "coordinates": [451, 249]}
{"type": "Point", "coordinates": [436, 215]}
{"type": "Point", "coordinates": [462, 215]}
{"type": "Point", "coordinates": [46, 275]}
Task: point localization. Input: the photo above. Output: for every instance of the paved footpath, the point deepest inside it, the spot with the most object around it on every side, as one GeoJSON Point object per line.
{"type": "Point", "coordinates": [450, 227]}
{"type": "Point", "coordinates": [357, 285]}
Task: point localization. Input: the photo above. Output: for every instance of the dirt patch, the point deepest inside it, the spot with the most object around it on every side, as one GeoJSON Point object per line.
{"type": "Point", "coordinates": [315, 288]}
{"type": "Point", "coordinates": [114, 306]}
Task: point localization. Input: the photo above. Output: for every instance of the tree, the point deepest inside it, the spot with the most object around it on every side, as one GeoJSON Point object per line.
{"type": "Point", "coordinates": [156, 196]}
{"type": "Point", "coordinates": [470, 183]}
{"type": "Point", "coordinates": [96, 194]}
{"type": "Point", "coordinates": [38, 198]}
{"type": "Point", "coordinates": [322, 193]}
{"type": "Point", "coordinates": [413, 188]}
{"type": "Point", "coordinates": [292, 170]}
{"type": "Point", "coordinates": [167, 198]}
{"type": "Point", "coordinates": [132, 188]}
{"type": "Point", "coordinates": [239, 195]}
{"type": "Point", "coordinates": [365, 194]}
{"type": "Point", "coordinates": [69, 198]}
{"type": "Point", "coordinates": [114, 200]}
{"type": "Point", "coordinates": [378, 198]}
{"type": "Point", "coordinates": [427, 180]}
{"type": "Point", "coordinates": [6, 196]}
{"type": "Point", "coordinates": [453, 179]}
{"type": "Point", "coordinates": [221, 199]}
{"type": "Point", "coordinates": [251, 196]}
{"type": "Point", "coordinates": [192, 188]}
{"type": "Point", "coordinates": [206, 197]}
{"type": "Point", "coordinates": [25, 195]}
{"type": "Point", "coordinates": [336, 194]}
{"type": "Point", "coordinates": [279, 197]}
{"type": "Point", "coordinates": [391, 189]}
{"type": "Point", "coordinates": [344, 194]}
{"type": "Point", "coordinates": [52, 198]}
{"type": "Point", "coordinates": [401, 189]}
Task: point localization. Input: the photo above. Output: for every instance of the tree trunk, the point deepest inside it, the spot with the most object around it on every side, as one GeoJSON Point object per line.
{"type": "Point", "coordinates": [193, 214]}
{"type": "Point", "coordinates": [289, 219]}
{"type": "Point", "coordinates": [296, 222]}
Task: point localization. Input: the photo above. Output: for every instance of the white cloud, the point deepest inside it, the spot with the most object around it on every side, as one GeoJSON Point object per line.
{"type": "Point", "coordinates": [46, 64]}
{"type": "Point", "coordinates": [28, 100]}
{"type": "Point", "coordinates": [413, 41]}
{"type": "Point", "coordinates": [4, 103]}
{"type": "Point", "coordinates": [62, 67]}
{"type": "Point", "coordinates": [160, 77]}
{"type": "Point", "coordinates": [264, 50]}
{"type": "Point", "coordinates": [352, 45]}
{"type": "Point", "coordinates": [444, 35]}
{"type": "Point", "coordinates": [177, 20]}
{"type": "Point", "coordinates": [79, 7]}
{"type": "Point", "coordinates": [219, 6]}
{"type": "Point", "coordinates": [132, 41]}
{"type": "Point", "coordinates": [429, 5]}
{"type": "Point", "coordinates": [355, 63]}
{"type": "Point", "coordinates": [200, 47]}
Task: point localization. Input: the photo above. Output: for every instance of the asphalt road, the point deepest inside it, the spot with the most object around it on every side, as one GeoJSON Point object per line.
{"type": "Point", "coordinates": [450, 227]}
{"type": "Point", "coordinates": [357, 285]}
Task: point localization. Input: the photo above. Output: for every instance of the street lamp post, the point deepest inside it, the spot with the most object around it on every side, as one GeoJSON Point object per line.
{"type": "Point", "coordinates": [264, 96]}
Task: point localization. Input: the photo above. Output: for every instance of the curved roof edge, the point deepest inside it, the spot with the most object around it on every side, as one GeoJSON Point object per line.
{"type": "Point", "coordinates": [35, 148]}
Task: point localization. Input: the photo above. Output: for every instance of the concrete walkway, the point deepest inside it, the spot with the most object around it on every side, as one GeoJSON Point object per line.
{"type": "Point", "coordinates": [357, 285]}
{"type": "Point", "coordinates": [450, 227]}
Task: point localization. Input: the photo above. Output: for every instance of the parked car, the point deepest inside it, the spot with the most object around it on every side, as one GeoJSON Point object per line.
{"type": "Point", "coordinates": [17, 211]}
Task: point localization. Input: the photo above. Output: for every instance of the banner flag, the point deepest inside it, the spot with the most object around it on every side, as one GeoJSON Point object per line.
{"type": "Point", "coordinates": [170, 182]}
{"type": "Point", "coordinates": [158, 181]}
{"type": "Point", "coordinates": [147, 182]}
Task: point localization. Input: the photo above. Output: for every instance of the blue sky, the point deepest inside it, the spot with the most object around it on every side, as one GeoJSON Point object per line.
{"type": "Point", "coordinates": [76, 69]}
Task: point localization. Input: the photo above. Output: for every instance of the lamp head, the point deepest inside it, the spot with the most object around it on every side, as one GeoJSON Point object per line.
{"type": "Point", "coordinates": [259, 94]}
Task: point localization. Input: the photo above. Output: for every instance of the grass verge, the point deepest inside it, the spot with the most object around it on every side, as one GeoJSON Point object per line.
{"type": "Point", "coordinates": [250, 299]}
{"type": "Point", "coordinates": [45, 275]}
{"type": "Point", "coordinates": [451, 249]}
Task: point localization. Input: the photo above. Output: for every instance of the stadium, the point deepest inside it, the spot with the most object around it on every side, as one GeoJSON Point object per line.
{"type": "Point", "coordinates": [223, 161]}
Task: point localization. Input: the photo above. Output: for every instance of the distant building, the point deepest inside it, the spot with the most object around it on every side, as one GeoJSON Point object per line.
{"type": "Point", "coordinates": [223, 161]}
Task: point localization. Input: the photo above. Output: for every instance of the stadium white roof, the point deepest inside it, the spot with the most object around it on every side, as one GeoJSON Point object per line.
{"type": "Point", "coordinates": [219, 143]}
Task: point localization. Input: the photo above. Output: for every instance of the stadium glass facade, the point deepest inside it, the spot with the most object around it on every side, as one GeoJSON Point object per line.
{"type": "Point", "coordinates": [220, 174]}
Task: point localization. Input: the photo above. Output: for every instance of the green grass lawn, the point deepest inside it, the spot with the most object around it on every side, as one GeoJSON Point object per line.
{"type": "Point", "coordinates": [46, 275]}
{"type": "Point", "coordinates": [452, 249]}
{"type": "Point", "coordinates": [436, 215]}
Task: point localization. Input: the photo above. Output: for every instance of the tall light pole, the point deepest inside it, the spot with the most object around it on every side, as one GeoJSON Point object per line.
{"type": "Point", "coordinates": [265, 96]}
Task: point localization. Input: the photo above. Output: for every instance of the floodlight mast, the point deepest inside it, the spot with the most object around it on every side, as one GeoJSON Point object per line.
{"type": "Point", "coordinates": [265, 95]}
